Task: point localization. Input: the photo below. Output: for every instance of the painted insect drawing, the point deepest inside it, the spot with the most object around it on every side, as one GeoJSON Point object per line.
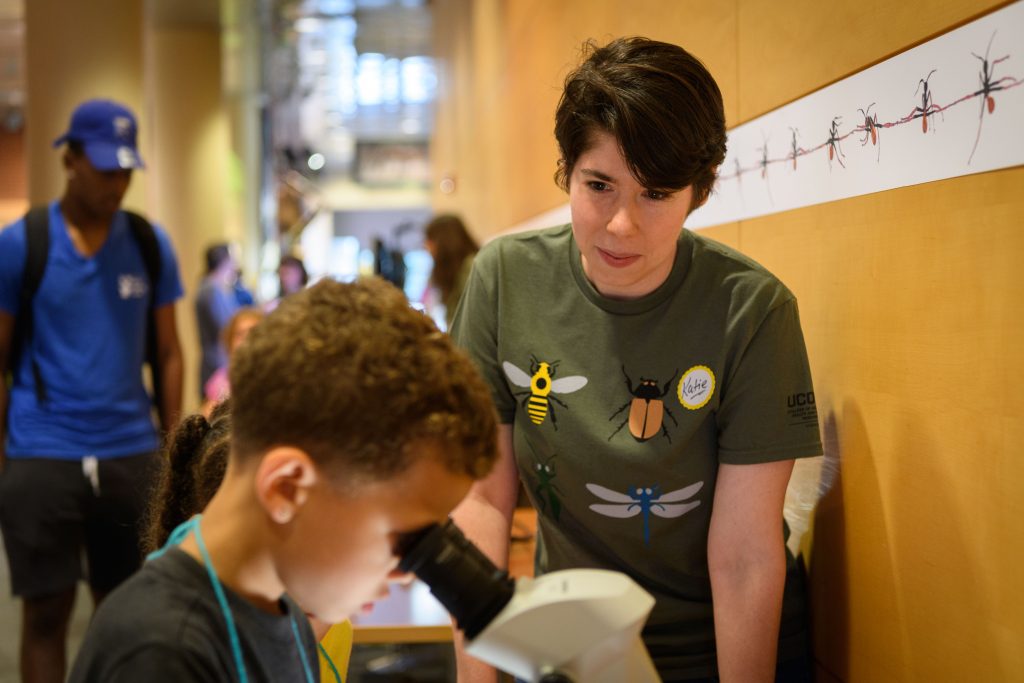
{"type": "Point", "coordinates": [646, 409]}
{"type": "Point", "coordinates": [542, 387]}
{"type": "Point", "coordinates": [764, 168]}
{"type": "Point", "coordinates": [835, 149]}
{"type": "Point", "coordinates": [870, 128]}
{"type": "Point", "coordinates": [645, 500]}
{"type": "Point", "coordinates": [982, 75]}
{"type": "Point", "coordinates": [795, 150]}
{"type": "Point", "coordinates": [988, 86]}
{"type": "Point", "coordinates": [764, 159]}
{"type": "Point", "coordinates": [928, 107]}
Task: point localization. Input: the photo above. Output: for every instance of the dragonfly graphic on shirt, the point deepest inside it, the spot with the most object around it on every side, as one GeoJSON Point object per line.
{"type": "Point", "coordinates": [645, 500]}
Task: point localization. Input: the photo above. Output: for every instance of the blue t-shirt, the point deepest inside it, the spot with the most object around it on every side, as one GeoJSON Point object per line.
{"type": "Point", "coordinates": [88, 337]}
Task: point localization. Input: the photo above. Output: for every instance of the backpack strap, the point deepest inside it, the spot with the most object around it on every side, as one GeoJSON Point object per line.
{"type": "Point", "coordinates": [37, 244]}
{"type": "Point", "coordinates": [37, 241]}
{"type": "Point", "coordinates": [145, 237]}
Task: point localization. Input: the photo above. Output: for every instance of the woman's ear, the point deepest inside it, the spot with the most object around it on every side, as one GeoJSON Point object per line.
{"type": "Point", "coordinates": [283, 480]}
{"type": "Point", "coordinates": [699, 201]}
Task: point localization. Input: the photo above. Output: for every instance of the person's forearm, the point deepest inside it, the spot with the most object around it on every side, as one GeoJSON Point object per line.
{"type": "Point", "coordinates": [3, 418]}
{"type": "Point", "coordinates": [171, 378]}
{"type": "Point", "coordinates": [748, 608]}
{"type": "Point", "coordinates": [489, 528]}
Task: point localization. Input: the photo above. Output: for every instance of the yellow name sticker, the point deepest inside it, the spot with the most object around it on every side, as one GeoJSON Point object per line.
{"type": "Point", "coordinates": [696, 387]}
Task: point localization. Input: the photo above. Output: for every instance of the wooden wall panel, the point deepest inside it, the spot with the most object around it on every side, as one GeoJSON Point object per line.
{"type": "Point", "coordinates": [787, 50]}
{"type": "Point", "coordinates": [911, 302]}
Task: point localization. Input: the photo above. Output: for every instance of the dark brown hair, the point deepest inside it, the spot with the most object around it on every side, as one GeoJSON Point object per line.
{"type": "Point", "coordinates": [193, 466]}
{"type": "Point", "coordinates": [290, 261]}
{"type": "Point", "coordinates": [216, 254]}
{"type": "Point", "coordinates": [453, 245]}
{"type": "Point", "coordinates": [359, 380]}
{"type": "Point", "coordinates": [658, 101]}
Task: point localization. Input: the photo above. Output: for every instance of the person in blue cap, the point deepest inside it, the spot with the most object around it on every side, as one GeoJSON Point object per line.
{"type": "Point", "coordinates": [83, 284]}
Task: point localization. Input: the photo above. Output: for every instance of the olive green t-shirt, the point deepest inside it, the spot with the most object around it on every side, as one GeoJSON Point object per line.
{"type": "Point", "coordinates": [623, 410]}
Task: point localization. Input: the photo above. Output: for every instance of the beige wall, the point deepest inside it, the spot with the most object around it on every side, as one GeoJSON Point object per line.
{"type": "Point", "coordinates": [13, 187]}
{"type": "Point", "coordinates": [188, 169]}
{"type": "Point", "coordinates": [75, 51]}
{"type": "Point", "coordinates": [910, 299]}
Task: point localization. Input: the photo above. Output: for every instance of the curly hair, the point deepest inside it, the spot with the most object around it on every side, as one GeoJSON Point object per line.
{"type": "Point", "coordinates": [195, 459]}
{"type": "Point", "coordinates": [659, 102]}
{"type": "Point", "coordinates": [359, 380]}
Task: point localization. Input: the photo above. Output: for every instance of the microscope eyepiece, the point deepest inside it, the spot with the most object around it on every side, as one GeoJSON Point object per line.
{"type": "Point", "coordinates": [461, 577]}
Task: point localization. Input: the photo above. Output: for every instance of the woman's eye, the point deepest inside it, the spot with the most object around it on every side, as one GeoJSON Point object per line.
{"type": "Point", "coordinates": [656, 194]}
{"type": "Point", "coordinates": [597, 185]}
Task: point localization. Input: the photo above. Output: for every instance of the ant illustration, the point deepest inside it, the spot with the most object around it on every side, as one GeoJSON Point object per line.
{"type": "Point", "coordinates": [988, 86]}
{"type": "Point", "coordinates": [546, 491]}
{"type": "Point", "coordinates": [763, 163]}
{"type": "Point", "coordinates": [928, 106]}
{"type": "Point", "coordinates": [793, 146]}
{"type": "Point", "coordinates": [870, 128]}
{"type": "Point", "coordinates": [764, 159]}
{"type": "Point", "coordinates": [835, 149]}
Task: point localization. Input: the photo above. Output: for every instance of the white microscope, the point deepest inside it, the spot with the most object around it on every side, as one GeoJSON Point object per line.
{"type": "Point", "coordinates": [570, 626]}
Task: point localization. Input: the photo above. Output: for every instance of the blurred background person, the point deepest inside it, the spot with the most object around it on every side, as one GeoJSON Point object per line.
{"type": "Point", "coordinates": [216, 302]}
{"type": "Point", "coordinates": [452, 248]}
{"type": "Point", "coordinates": [291, 278]}
{"type": "Point", "coordinates": [242, 293]}
{"type": "Point", "coordinates": [218, 388]}
{"type": "Point", "coordinates": [85, 283]}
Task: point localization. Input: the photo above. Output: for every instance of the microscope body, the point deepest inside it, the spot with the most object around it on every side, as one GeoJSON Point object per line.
{"type": "Point", "coordinates": [580, 625]}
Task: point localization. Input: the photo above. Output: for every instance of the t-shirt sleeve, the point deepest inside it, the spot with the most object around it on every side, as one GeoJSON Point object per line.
{"type": "Point", "coordinates": [12, 265]}
{"type": "Point", "coordinates": [767, 411]}
{"type": "Point", "coordinates": [475, 329]}
{"type": "Point", "coordinates": [168, 289]}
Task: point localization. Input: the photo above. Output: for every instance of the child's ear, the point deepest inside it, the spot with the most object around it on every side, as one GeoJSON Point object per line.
{"type": "Point", "coordinates": [283, 480]}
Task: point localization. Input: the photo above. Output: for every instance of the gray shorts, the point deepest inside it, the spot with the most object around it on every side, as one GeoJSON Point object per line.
{"type": "Point", "coordinates": [66, 520]}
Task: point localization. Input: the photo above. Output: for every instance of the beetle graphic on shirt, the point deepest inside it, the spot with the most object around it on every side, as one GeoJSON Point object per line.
{"type": "Point", "coordinates": [647, 410]}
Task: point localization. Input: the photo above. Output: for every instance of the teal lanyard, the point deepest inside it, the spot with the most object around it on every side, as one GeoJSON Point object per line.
{"type": "Point", "coordinates": [179, 535]}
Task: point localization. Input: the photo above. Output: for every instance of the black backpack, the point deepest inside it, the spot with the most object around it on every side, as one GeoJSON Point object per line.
{"type": "Point", "coordinates": [37, 240]}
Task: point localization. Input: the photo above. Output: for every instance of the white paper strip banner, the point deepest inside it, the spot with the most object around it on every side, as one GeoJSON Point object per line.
{"type": "Point", "coordinates": [950, 107]}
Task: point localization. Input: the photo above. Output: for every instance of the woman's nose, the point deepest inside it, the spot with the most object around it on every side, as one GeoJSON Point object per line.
{"type": "Point", "coordinates": [623, 221]}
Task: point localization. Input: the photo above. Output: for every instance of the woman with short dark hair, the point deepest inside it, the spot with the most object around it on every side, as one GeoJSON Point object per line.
{"type": "Point", "coordinates": [645, 378]}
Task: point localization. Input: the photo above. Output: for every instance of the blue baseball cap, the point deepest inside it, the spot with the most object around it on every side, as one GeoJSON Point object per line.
{"type": "Point", "coordinates": [107, 132]}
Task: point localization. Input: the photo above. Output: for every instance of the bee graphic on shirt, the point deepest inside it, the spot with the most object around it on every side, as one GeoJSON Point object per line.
{"type": "Point", "coordinates": [542, 387]}
{"type": "Point", "coordinates": [645, 500]}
